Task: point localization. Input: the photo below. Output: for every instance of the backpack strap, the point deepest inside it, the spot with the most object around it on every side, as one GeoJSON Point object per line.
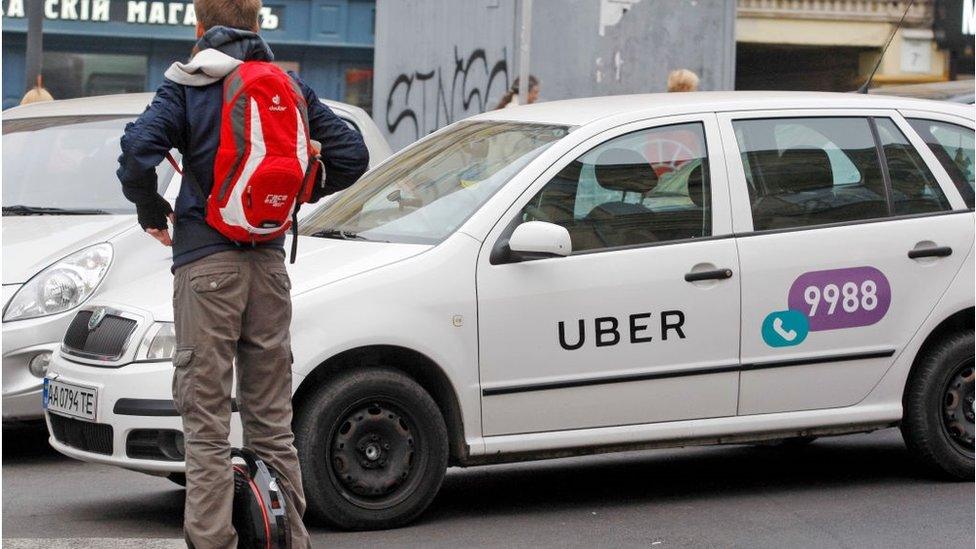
{"type": "Point", "coordinates": [176, 165]}
{"type": "Point", "coordinates": [294, 231]}
{"type": "Point", "coordinates": [187, 176]}
{"type": "Point", "coordinates": [315, 164]}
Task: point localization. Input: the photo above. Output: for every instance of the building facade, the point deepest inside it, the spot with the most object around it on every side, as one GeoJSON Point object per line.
{"type": "Point", "coordinates": [832, 45]}
{"type": "Point", "coordinates": [98, 47]}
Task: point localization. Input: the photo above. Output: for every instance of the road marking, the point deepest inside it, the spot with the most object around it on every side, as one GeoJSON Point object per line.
{"type": "Point", "coordinates": [99, 543]}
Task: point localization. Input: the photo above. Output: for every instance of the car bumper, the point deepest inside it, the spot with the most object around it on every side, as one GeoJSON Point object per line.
{"type": "Point", "coordinates": [135, 400]}
{"type": "Point", "coordinates": [22, 341]}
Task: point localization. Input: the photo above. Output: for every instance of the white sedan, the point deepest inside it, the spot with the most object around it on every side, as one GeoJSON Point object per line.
{"type": "Point", "coordinates": [67, 229]}
{"type": "Point", "coordinates": [594, 275]}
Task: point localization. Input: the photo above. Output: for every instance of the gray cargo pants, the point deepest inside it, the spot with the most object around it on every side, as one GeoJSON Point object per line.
{"type": "Point", "coordinates": [234, 304]}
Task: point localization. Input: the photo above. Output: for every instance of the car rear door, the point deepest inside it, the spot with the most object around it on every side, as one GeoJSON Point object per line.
{"type": "Point", "coordinates": [617, 333]}
{"type": "Point", "coordinates": [848, 233]}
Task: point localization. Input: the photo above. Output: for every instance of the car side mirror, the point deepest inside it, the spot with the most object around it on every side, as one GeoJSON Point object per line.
{"type": "Point", "coordinates": [538, 240]}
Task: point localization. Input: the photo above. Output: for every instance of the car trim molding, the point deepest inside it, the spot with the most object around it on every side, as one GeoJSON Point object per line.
{"type": "Point", "coordinates": [822, 359]}
{"type": "Point", "coordinates": [647, 376]}
{"type": "Point", "coordinates": [152, 407]}
{"type": "Point", "coordinates": [854, 222]}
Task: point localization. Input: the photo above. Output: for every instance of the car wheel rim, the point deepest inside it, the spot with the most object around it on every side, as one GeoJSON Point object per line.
{"type": "Point", "coordinates": [957, 407]}
{"type": "Point", "coordinates": [372, 455]}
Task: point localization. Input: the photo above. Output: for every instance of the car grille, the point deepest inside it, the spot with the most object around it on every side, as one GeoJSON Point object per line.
{"type": "Point", "coordinates": [83, 435]}
{"type": "Point", "coordinates": [105, 341]}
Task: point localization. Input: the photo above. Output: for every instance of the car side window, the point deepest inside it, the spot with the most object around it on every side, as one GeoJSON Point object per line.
{"type": "Point", "coordinates": [953, 146]}
{"type": "Point", "coordinates": [914, 189]}
{"type": "Point", "coordinates": [640, 188]}
{"type": "Point", "coordinates": [811, 171]}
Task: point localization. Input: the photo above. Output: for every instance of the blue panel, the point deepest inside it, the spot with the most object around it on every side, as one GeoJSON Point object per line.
{"type": "Point", "coordinates": [329, 19]}
{"type": "Point", "coordinates": [362, 22]}
{"type": "Point", "coordinates": [14, 68]}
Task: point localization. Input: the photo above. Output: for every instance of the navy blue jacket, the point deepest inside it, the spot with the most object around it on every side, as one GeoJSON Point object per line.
{"type": "Point", "coordinates": [187, 118]}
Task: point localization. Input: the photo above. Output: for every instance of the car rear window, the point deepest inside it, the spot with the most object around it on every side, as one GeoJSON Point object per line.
{"type": "Point", "coordinates": [952, 145]}
{"type": "Point", "coordinates": [805, 172]}
{"type": "Point", "coordinates": [811, 171]}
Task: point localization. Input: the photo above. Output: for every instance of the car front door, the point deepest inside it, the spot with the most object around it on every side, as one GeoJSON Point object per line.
{"type": "Point", "coordinates": [640, 323]}
{"type": "Point", "coordinates": [847, 238]}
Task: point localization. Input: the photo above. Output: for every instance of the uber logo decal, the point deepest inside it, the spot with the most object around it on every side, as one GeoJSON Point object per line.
{"type": "Point", "coordinates": [606, 329]}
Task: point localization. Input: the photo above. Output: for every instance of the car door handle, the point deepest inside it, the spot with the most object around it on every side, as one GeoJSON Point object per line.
{"type": "Point", "coordinates": [938, 251]}
{"type": "Point", "coordinates": [717, 274]}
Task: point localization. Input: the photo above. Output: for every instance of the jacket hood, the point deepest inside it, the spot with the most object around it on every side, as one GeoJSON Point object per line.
{"type": "Point", "coordinates": [221, 50]}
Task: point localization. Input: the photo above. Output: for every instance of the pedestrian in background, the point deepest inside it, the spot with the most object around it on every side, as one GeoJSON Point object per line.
{"type": "Point", "coordinates": [37, 94]}
{"type": "Point", "coordinates": [682, 80]}
{"type": "Point", "coordinates": [231, 300]}
{"type": "Point", "coordinates": [510, 99]}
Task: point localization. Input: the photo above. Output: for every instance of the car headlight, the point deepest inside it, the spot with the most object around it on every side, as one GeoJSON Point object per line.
{"type": "Point", "coordinates": [158, 344]}
{"type": "Point", "coordinates": [62, 286]}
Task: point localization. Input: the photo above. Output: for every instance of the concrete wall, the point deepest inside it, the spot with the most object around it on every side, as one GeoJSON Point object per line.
{"type": "Point", "coordinates": [438, 61]}
{"type": "Point", "coordinates": [584, 48]}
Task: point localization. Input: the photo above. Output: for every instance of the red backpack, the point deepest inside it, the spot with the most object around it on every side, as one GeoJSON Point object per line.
{"type": "Point", "coordinates": [266, 164]}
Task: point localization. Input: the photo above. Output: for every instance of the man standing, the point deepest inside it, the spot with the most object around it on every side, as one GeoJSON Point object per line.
{"type": "Point", "coordinates": [231, 300]}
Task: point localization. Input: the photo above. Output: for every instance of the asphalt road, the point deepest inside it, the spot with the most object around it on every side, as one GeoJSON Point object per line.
{"type": "Point", "coordinates": [855, 491]}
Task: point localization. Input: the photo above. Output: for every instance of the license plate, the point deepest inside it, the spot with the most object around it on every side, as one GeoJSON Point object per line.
{"type": "Point", "coordinates": [70, 399]}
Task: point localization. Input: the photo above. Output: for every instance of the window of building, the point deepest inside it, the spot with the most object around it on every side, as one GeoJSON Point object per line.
{"type": "Point", "coordinates": [914, 189]}
{"type": "Point", "coordinates": [68, 75]}
{"type": "Point", "coordinates": [289, 66]}
{"type": "Point", "coordinates": [640, 188]}
{"type": "Point", "coordinates": [811, 171]}
{"type": "Point", "coordinates": [953, 146]}
{"type": "Point", "coordinates": [359, 87]}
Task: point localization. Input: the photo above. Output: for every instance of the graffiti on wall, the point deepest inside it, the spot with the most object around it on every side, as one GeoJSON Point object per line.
{"type": "Point", "coordinates": [420, 102]}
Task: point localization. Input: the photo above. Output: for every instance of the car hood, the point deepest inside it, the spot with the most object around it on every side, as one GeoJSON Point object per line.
{"type": "Point", "coordinates": [33, 242]}
{"type": "Point", "coordinates": [320, 261]}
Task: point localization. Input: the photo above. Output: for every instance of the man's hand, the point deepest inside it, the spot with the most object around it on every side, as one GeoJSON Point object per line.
{"type": "Point", "coordinates": [162, 235]}
{"type": "Point", "coordinates": [153, 216]}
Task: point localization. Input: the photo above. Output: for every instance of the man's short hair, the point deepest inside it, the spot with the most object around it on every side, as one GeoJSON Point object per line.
{"type": "Point", "coordinates": [238, 14]}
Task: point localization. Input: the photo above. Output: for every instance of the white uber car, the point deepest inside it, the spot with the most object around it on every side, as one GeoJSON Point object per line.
{"type": "Point", "coordinates": [68, 233]}
{"type": "Point", "coordinates": [594, 275]}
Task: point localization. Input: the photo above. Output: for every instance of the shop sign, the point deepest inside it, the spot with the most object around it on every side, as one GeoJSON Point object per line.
{"type": "Point", "coordinates": [142, 12]}
{"type": "Point", "coordinates": [955, 24]}
{"type": "Point", "coordinates": [968, 18]}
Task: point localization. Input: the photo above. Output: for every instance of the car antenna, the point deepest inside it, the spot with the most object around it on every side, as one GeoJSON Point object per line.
{"type": "Point", "coordinates": [864, 87]}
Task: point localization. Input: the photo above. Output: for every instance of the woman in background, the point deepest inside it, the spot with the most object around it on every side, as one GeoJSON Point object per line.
{"type": "Point", "coordinates": [510, 99]}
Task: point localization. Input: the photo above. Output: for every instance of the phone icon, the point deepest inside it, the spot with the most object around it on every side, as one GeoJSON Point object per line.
{"type": "Point", "coordinates": [788, 335]}
{"type": "Point", "coordinates": [785, 328]}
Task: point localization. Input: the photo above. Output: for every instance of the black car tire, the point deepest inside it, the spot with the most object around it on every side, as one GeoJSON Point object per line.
{"type": "Point", "coordinates": [177, 478]}
{"type": "Point", "coordinates": [369, 414]}
{"type": "Point", "coordinates": [944, 368]}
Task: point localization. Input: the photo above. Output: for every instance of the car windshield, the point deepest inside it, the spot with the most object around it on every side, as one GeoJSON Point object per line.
{"type": "Point", "coordinates": [431, 188]}
{"type": "Point", "coordinates": [66, 165]}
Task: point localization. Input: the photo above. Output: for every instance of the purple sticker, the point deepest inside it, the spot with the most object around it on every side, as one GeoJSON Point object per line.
{"type": "Point", "coordinates": [841, 298]}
